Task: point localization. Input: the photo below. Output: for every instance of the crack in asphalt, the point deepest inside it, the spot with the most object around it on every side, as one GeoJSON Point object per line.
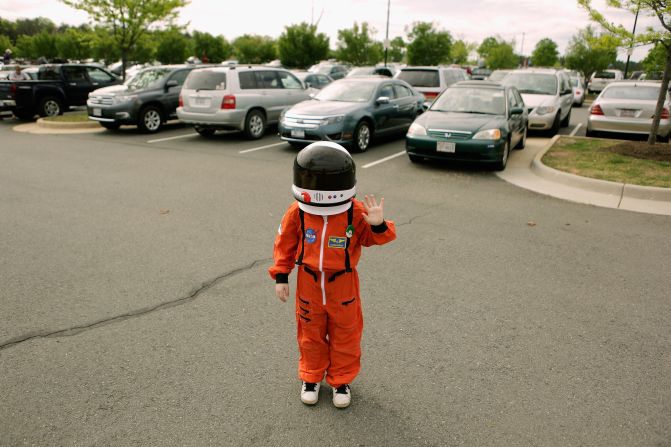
{"type": "Point", "coordinates": [75, 330]}
{"type": "Point", "coordinates": [412, 219]}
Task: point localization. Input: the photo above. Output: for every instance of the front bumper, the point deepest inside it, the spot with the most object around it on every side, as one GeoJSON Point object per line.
{"type": "Point", "coordinates": [221, 119]}
{"type": "Point", "coordinates": [7, 105]}
{"type": "Point", "coordinates": [340, 133]}
{"type": "Point", "coordinates": [120, 113]}
{"type": "Point", "coordinates": [541, 122]}
{"type": "Point", "coordinates": [597, 123]}
{"type": "Point", "coordinates": [465, 150]}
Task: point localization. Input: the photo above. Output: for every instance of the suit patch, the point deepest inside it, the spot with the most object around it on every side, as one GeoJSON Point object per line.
{"type": "Point", "coordinates": [310, 236]}
{"type": "Point", "coordinates": [337, 242]}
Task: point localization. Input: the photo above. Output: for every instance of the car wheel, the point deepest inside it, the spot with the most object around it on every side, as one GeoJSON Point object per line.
{"type": "Point", "coordinates": [111, 126]}
{"type": "Point", "coordinates": [663, 139]}
{"type": "Point", "coordinates": [523, 142]}
{"type": "Point", "coordinates": [362, 135]}
{"type": "Point", "coordinates": [50, 106]}
{"type": "Point", "coordinates": [554, 130]}
{"type": "Point", "coordinates": [501, 165]}
{"type": "Point", "coordinates": [205, 131]}
{"type": "Point", "coordinates": [566, 121]}
{"type": "Point", "coordinates": [150, 119]}
{"type": "Point", "coordinates": [255, 125]}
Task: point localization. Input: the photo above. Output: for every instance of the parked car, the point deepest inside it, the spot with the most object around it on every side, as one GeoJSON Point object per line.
{"type": "Point", "coordinates": [600, 79]}
{"type": "Point", "coordinates": [147, 100]}
{"type": "Point", "coordinates": [480, 74]}
{"type": "Point", "coordinates": [470, 121]}
{"type": "Point", "coordinates": [313, 80]}
{"type": "Point", "coordinates": [431, 81]}
{"type": "Point", "coordinates": [370, 71]}
{"type": "Point", "coordinates": [334, 70]}
{"type": "Point", "coordinates": [547, 94]}
{"type": "Point", "coordinates": [578, 87]}
{"type": "Point", "coordinates": [498, 75]}
{"type": "Point", "coordinates": [628, 107]}
{"type": "Point", "coordinates": [31, 71]}
{"type": "Point", "coordinates": [352, 111]}
{"type": "Point", "coordinates": [245, 98]}
{"type": "Point", "coordinates": [58, 88]}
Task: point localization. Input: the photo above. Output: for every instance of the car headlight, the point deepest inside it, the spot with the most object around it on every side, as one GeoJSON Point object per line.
{"type": "Point", "coordinates": [332, 120]}
{"type": "Point", "coordinates": [489, 134]}
{"type": "Point", "coordinates": [124, 99]}
{"type": "Point", "coordinates": [416, 130]}
{"type": "Point", "coordinates": [544, 110]}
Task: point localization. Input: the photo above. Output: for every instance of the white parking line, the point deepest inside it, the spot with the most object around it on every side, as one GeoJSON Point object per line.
{"type": "Point", "coordinates": [262, 147]}
{"type": "Point", "coordinates": [172, 138]}
{"type": "Point", "coordinates": [382, 160]}
{"type": "Point", "coordinates": [575, 130]}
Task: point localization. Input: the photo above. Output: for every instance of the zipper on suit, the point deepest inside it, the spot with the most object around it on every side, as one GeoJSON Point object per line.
{"type": "Point", "coordinates": [321, 259]}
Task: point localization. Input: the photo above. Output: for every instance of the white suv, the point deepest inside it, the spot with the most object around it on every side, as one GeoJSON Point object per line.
{"type": "Point", "coordinates": [601, 79]}
{"type": "Point", "coordinates": [431, 81]}
{"type": "Point", "coordinates": [245, 98]}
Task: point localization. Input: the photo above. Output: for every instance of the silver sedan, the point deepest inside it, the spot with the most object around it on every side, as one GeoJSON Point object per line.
{"type": "Point", "coordinates": [628, 107]}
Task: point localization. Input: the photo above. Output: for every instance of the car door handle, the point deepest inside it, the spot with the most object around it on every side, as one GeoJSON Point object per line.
{"type": "Point", "coordinates": [95, 83]}
{"type": "Point", "coordinates": [74, 84]}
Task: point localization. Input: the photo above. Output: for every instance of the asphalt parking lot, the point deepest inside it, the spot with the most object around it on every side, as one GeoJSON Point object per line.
{"type": "Point", "coordinates": [137, 309]}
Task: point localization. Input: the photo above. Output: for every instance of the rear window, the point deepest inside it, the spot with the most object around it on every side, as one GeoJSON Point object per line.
{"type": "Point", "coordinates": [533, 83]}
{"type": "Point", "coordinates": [605, 75]}
{"type": "Point", "coordinates": [647, 93]}
{"type": "Point", "coordinates": [420, 78]}
{"type": "Point", "coordinates": [205, 80]}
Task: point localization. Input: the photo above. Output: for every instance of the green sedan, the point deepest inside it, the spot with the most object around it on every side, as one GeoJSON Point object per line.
{"type": "Point", "coordinates": [470, 121]}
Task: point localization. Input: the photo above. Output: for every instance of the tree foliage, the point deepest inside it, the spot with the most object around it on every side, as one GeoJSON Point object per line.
{"type": "Point", "coordinates": [211, 48]}
{"type": "Point", "coordinates": [173, 47]}
{"type": "Point", "coordinates": [460, 51]}
{"type": "Point", "coordinates": [588, 52]}
{"type": "Point", "coordinates": [301, 46]}
{"type": "Point", "coordinates": [497, 53]}
{"type": "Point", "coordinates": [655, 60]}
{"type": "Point", "coordinates": [396, 51]}
{"type": "Point", "coordinates": [428, 45]}
{"type": "Point", "coordinates": [545, 53]}
{"type": "Point", "coordinates": [254, 49]}
{"type": "Point", "coordinates": [357, 47]}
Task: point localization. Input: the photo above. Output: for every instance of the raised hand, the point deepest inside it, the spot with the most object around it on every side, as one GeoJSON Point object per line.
{"type": "Point", "coordinates": [374, 214]}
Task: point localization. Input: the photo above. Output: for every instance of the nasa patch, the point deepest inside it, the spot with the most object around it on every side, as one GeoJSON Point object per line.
{"type": "Point", "coordinates": [310, 236]}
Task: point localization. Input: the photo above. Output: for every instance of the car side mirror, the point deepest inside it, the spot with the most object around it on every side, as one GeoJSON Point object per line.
{"type": "Point", "coordinates": [312, 95]}
{"type": "Point", "coordinates": [382, 100]}
{"type": "Point", "coordinates": [567, 92]}
{"type": "Point", "coordinates": [171, 83]}
{"type": "Point", "coordinates": [308, 84]}
{"type": "Point", "coordinates": [516, 111]}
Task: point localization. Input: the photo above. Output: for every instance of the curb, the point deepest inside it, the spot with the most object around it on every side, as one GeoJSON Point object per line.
{"type": "Point", "coordinates": [622, 190]}
{"type": "Point", "coordinates": [69, 126]}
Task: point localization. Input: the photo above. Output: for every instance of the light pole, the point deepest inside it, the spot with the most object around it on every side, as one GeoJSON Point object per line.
{"type": "Point", "coordinates": [386, 37]}
{"type": "Point", "coordinates": [633, 35]}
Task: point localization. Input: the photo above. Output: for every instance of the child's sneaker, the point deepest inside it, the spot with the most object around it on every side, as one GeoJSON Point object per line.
{"type": "Point", "coordinates": [342, 396]}
{"type": "Point", "coordinates": [309, 393]}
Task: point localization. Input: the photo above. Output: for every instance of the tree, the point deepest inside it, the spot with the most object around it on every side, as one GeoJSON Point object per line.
{"type": "Point", "coordinates": [460, 51]}
{"type": "Point", "coordinates": [545, 54]}
{"type": "Point", "coordinates": [5, 43]}
{"type": "Point", "coordinates": [588, 52]}
{"type": "Point", "coordinates": [103, 46]}
{"type": "Point", "coordinates": [213, 48]}
{"type": "Point", "coordinates": [24, 47]}
{"type": "Point", "coordinates": [356, 46]}
{"type": "Point", "coordinates": [44, 45]}
{"type": "Point", "coordinates": [655, 60]}
{"type": "Point", "coordinates": [396, 51]}
{"type": "Point", "coordinates": [128, 20]}
{"type": "Point", "coordinates": [428, 46]}
{"type": "Point", "coordinates": [74, 44]}
{"type": "Point", "coordinates": [487, 45]}
{"type": "Point", "coordinates": [497, 53]}
{"type": "Point", "coordinates": [655, 8]}
{"type": "Point", "coordinates": [173, 47]}
{"type": "Point", "coordinates": [254, 49]}
{"type": "Point", "coordinates": [301, 46]}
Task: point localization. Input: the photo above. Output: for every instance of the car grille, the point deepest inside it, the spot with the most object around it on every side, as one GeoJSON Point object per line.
{"type": "Point", "coordinates": [104, 100]}
{"type": "Point", "coordinates": [303, 122]}
{"type": "Point", "coordinates": [442, 134]}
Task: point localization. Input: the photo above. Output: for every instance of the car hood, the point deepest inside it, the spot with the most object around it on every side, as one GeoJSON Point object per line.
{"type": "Point", "coordinates": [533, 101]}
{"type": "Point", "coordinates": [325, 108]}
{"type": "Point", "coordinates": [467, 122]}
{"type": "Point", "coordinates": [112, 90]}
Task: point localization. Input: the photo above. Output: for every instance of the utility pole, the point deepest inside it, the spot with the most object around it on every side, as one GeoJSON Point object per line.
{"type": "Point", "coordinates": [386, 37]}
{"type": "Point", "coordinates": [630, 49]}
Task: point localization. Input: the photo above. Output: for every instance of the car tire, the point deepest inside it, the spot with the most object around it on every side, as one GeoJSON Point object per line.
{"type": "Point", "coordinates": [361, 137]}
{"type": "Point", "coordinates": [255, 125]}
{"type": "Point", "coordinates": [566, 121]}
{"type": "Point", "coordinates": [501, 165]}
{"type": "Point", "coordinates": [111, 126]}
{"type": "Point", "coordinates": [204, 131]}
{"type": "Point", "coordinates": [150, 119]}
{"type": "Point", "coordinates": [554, 130]}
{"type": "Point", "coordinates": [24, 116]}
{"type": "Point", "coordinates": [663, 139]}
{"type": "Point", "coordinates": [523, 142]}
{"type": "Point", "coordinates": [50, 106]}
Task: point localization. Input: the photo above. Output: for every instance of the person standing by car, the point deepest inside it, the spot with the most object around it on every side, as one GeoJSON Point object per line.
{"type": "Point", "coordinates": [7, 57]}
{"type": "Point", "coordinates": [18, 75]}
{"type": "Point", "coordinates": [322, 232]}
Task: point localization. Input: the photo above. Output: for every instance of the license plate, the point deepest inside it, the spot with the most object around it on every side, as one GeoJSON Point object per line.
{"type": "Point", "coordinates": [628, 113]}
{"type": "Point", "coordinates": [297, 133]}
{"type": "Point", "coordinates": [446, 146]}
{"type": "Point", "coordinates": [97, 112]}
{"type": "Point", "coordinates": [201, 101]}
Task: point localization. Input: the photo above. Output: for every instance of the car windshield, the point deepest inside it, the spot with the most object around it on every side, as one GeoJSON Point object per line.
{"type": "Point", "coordinates": [347, 92]}
{"type": "Point", "coordinates": [605, 75]}
{"type": "Point", "coordinates": [644, 93]}
{"type": "Point", "coordinates": [533, 83]}
{"type": "Point", "coordinates": [148, 78]}
{"type": "Point", "coordinates": [420, 78]}
{"type": "Point", "coordinates": [205, 80]}
{"type": "Point", "coordinates": [486, 101]}
{"type": "Point", "coordinates": [497, 75]}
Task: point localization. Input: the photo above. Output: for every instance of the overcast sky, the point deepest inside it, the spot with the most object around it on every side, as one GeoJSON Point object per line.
{"type": "Point", "coordinates": [471, 20]}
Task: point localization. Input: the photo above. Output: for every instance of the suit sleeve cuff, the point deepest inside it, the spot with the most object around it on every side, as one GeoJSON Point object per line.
{"type": "Point", "coordinates": [282, 278]}
{"type": "Point", "coordinates": [381, 228]}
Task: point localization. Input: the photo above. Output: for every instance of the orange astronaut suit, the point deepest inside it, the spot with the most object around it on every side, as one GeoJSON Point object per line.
{"type": "Point", "coordinates": [328, 305]}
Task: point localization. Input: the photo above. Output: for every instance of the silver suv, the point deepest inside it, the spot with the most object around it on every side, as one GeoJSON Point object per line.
{"type": "Point", "coordinates": [245, 98]}
{"type": "Point", "coordinates": [548, 95]}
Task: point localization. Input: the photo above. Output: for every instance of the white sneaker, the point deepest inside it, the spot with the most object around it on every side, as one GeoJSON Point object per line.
{"type": "Point", "coordinates": [342, 396]}
{"type": "Point", "coordinates": [310, 393]}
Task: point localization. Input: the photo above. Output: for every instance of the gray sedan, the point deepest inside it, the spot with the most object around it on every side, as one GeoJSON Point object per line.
{"type": "Point", "coordinates": [628, 107]}
{"type": "Point", "coordinates": [350, 111]}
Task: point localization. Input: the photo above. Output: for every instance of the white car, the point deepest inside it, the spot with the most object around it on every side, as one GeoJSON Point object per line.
{"type": "Point", "coordinates": [601, 79]}
{"type": "Point", "coordinates": [578, 85]}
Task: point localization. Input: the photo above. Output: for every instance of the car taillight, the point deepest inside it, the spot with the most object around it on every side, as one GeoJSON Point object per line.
{"type": "Point", "coordinates": [430, 95]}
{"type": "Point", "coordinates": [577, 92]}
{"type": "Point", "coordinates": [12, 89]}
{"type": "Point", "coordinates": [665, 114]}
{"type": "Point", "coordinates": [228, 102]}
{"type": "Point", "coordinates": [181, 101]}
{"type": "Point", "coordinates": [596, 110]}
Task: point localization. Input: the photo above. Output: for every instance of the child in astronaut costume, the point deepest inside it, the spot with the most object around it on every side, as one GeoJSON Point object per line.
{"type": "Point", "coordinates": [322, 233]}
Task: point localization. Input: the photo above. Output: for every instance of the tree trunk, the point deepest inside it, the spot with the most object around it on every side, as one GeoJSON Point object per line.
{"type": "Point", "coordinates": [652, 138]}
